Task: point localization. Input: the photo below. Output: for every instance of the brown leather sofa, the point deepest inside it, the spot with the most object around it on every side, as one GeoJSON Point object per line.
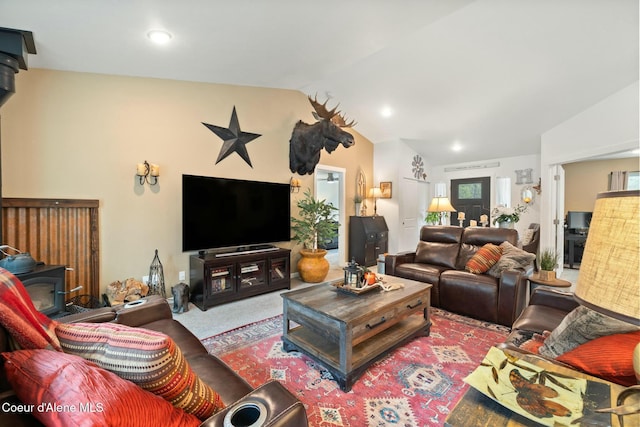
{"type": "Point", "coordinates": [440, 258]}
{"type": "Point", "coordinates": [283, 409]}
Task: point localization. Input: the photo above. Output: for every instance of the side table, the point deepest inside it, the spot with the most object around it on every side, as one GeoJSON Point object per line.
{"type": "Point", "coordinates": [535, 281]}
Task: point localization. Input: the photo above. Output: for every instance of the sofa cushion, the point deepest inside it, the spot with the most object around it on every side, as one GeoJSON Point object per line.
{"type": "Point", "coordinates": [609, 357]}
{"type": "Point", "coordinates": [512, 259]}
{"type": "Point", "coordinates": [474, 295]}
{"type": "Point", "coordinates": [436, 253]}
{"type": "Point", "coordinates": [578, 327]}
{"type": "Point", "coordinates": [484, 259]}
{"type": "Point", "coordinates": [148, 358]}
{"type": "Point", "coordinates": [426, 273]}
{"type": "Point", "coordinates": [99, 397]}
{"type": "Point", "coordinates": [539, 318]}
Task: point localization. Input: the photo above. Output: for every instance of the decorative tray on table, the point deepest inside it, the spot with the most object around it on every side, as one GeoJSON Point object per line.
{"type": "Point", "coordinates": [340, 286]}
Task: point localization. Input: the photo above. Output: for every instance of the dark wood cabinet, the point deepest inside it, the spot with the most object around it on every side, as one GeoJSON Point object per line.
{"type": "Point", "coordinates": [220, 278]}
{"type": "Point", "coordinates": [368, 238]}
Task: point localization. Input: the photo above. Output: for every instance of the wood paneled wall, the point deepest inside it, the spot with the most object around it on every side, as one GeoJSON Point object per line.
{"type": "Point", "coordinates": [57, 232]}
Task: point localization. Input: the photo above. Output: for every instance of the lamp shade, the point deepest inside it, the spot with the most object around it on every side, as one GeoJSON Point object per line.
{"type": "Point", "coordinates": [440, 204]}
{"type": "Point", "coordinates": [609, 278]}
{"type": "Point", "coordinates": [375, 192]}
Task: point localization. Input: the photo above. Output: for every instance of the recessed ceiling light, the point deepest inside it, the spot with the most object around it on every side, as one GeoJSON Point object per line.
{"type": "Point", "coordinates": [386, 111]}
{"type": "Point", "coordinates": [456, 146]}
{"type": "Point", "coordinates": [159, 36]}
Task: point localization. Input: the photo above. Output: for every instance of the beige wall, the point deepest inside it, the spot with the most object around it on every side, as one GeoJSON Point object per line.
{"type": "Point", "coordinates": [80, 135]}
{"type": "Point", "coordinates": [584, 180]}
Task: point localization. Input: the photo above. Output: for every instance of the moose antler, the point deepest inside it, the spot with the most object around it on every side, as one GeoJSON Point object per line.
{"type": "Point", "coordinates": [322, 113]}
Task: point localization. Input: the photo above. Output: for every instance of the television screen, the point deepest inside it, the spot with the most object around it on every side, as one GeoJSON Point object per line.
{"type": "Point", "coordinates": [578, 220]}
{"type": "Point", "coordinates": [221, 212]}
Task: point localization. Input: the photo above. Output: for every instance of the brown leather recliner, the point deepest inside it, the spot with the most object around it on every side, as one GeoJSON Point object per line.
{"type": "Point", "coordinates": [440, 258]}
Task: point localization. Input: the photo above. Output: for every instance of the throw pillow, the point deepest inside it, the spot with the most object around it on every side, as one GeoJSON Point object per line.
{"type": "Point", "coordinates": [533, 345]}
{"type": "Point", "coordinates": [578, 327]}
{"type": "Point", "coordinates": [528, 236]}
{"type": "Point", "coordinates": [512, 259]}
{"type": "Point", "coordinates": [147, 358]}
{"type": "Point", "coordinates": [484, 259]}
{"type": "Point", "coordinates": [66, 390]}
{"type": "Point", "coordinates": [609, 357]}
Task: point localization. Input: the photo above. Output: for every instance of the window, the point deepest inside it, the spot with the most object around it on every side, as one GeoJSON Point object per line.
{"type": "Point", "coordinates": [503, 191]}
{"type": "Point", "coordinates": [633, 180]}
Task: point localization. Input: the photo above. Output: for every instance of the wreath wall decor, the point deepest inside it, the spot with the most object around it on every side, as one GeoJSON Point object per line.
{"type": "Point", "coordinates": [418, 167]}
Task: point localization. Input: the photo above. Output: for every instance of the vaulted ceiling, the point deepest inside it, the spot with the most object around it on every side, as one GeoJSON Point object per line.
{"type": "Point", "coordinates": [487, 76]}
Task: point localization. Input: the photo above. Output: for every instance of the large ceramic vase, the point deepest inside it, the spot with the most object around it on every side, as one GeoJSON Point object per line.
{"type": "Point", "coordinates": [313, 267]}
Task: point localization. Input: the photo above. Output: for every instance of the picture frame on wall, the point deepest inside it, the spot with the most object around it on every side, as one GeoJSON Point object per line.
{"type": "Point", "coordinates": [385, 189]}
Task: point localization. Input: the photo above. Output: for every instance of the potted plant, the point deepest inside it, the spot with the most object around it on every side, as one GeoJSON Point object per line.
{"type": "Point", "coordinates": [357, 199]}
{"type": "Point", "coordinates": [507, 217]}
{"type": "Point", "coordinates": [548, 259]}
{"type": "Point", "coordinates": [432, 218]}
{"type": "Point", "coordinates": [315, 223]}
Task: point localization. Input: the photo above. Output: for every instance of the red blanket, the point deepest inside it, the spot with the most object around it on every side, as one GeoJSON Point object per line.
{"type": "Point", "coordinates": [29, 328]}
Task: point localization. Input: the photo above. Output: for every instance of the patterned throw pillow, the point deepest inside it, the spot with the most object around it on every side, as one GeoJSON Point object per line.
{"type": "Point", "coordinates": [512, 259]}
{"type": "Point", "coordinates": [580, 326]}
{"type": "Point", "coordinates": [50, 379]}
{"type": "Point", "coordinates": [147, 358]}
{"type": "Point", "coordinates": [484, 259]}
{"type": "Point", "coordinates": [609, 357]}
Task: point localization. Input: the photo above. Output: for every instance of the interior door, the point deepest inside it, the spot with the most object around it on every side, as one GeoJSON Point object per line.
{"type": "Point", "coordinates": [471, 196]}
{"type": "Point", "coordinates": [410, 232]}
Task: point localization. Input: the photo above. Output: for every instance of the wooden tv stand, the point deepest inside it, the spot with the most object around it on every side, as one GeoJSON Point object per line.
{"type": "Point", "coordinates": [224, 277]}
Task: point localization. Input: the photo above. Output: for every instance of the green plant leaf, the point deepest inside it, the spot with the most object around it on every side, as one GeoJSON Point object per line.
{"type": "Point", "coordinates": [315, 222]}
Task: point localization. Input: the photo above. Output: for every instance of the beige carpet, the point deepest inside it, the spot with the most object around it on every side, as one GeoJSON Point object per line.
{"type": "Point", "coordinates": [225, 317]}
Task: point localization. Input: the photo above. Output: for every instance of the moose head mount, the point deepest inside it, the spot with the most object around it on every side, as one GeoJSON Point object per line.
{"type": "Point", "coordinates": [308, 140]}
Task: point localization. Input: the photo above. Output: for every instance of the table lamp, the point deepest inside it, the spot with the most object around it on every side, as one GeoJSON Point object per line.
{"type": "Point", "coordinates": [376, 193]}
{"type": "Point", "coordinates": [440, 205]}
{"type": "Point", "coordinates": [609, 278]}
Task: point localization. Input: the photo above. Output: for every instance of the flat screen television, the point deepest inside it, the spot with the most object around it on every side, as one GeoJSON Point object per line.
{"type": "Point", "coordinates": [222, 212]}
{"type": "Point", "coordinates": [578, 220]}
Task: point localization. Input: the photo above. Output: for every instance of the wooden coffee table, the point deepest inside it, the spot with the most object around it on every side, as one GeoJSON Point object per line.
{"type": "Point", "coordinates": [347, 333]}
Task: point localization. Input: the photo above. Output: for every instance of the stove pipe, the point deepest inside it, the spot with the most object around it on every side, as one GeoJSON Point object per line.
{"type": "Point", "coordinates": [15, 45]}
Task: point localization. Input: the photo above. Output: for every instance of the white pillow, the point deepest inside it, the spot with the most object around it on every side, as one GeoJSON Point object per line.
{"type": "Point", "coordinates": [528, 236]}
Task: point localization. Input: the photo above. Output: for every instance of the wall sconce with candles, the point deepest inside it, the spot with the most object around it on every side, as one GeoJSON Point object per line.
{"type": "Point", "coordinates": [146, 170]}
{"type": "Point", "coordinates": [527, 195]}
{"type": "Point", "coordinates": [294, 183]}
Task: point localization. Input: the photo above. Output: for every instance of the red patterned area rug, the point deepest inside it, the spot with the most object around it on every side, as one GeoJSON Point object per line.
{"type": "Point", "coordinates": [416, 385]}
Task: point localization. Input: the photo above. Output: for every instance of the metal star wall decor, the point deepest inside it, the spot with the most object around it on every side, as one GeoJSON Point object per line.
{"type": "Point", "coordinates": [234, 139]}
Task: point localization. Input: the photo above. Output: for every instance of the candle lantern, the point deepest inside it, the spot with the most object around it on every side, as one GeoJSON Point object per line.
{"type": "Point", "coordinates": [156, 278]}
{"type": "Point", "coordinates": [353, 274]}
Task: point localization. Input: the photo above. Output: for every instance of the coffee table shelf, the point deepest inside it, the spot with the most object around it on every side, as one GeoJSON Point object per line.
{"type": "Point", "coordinates": [348, 333]}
